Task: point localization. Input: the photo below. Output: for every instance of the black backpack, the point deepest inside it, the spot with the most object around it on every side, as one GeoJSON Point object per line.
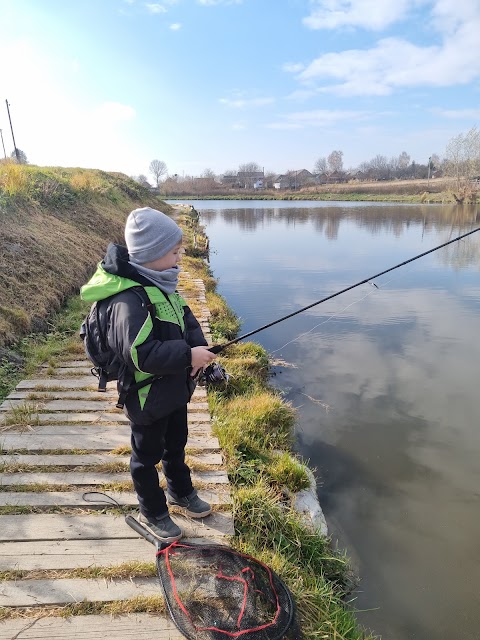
{"type": "Point", "coordinates": [106, 364]}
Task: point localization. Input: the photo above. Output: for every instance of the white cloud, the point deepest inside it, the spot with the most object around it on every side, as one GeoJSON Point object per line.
{"type": "Point", "coordinates": [467, 114]}
{"type": "Point", "coordinates": [175, 26]}
{"type": "Point", "coordinates": [293, 67]}
{"type": "Point", "coordinates": [368, 14]}
{"type": "Point", "coordinates": [245, 103]}
{"type": "Point", "coordinates": [239, 126]}
{"type": "Point", "coordinates": [317, 118]}
{"type": "Point", "coordinates": [156, 8]}
{"type": "Point", "coordinates": [396, 63]}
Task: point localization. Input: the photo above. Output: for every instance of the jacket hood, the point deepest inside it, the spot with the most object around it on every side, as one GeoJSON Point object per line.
{"type": "Point", "coordinates": [113, 274]}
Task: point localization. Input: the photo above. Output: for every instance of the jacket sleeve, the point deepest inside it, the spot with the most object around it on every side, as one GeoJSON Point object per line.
{"type": "Point", "coordinates": [195, 337]}
{"type": "Point", "coordinates": [130, 335]}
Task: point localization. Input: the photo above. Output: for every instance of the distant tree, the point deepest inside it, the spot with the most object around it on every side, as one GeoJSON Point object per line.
{"type": "Point", "coordinates": [208, 173]}
{"type": "Point", "coordinates": [435, 162]}
{"type": "Point", "coordinates": [158, 169]}
{"type": "Point", "coordinates": [320, 166]}
{"type": "Point", "coordinates": [22, 156]}
{"type": "Point", "coordinates": [142, 179]}
{"type": "Point", "coordinates": [249, 167]}
{"type": "Point", "coordinates": [403, 160]}
{"type": "Point", "coordinates": [335, 161]}
{"type": "Point", "coordinates": [462, 157]}
{"type": "Point", "coordinates": [380, 168]}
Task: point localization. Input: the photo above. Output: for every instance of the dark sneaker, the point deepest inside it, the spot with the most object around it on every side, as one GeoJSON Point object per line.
{"type": "Point", "coordinates": [163, 528]}
{"type": "Point", "coordinates": [194, 506]}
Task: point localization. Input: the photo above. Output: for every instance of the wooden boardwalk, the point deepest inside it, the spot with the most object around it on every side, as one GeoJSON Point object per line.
{"type": "Point", "coordinates": [60, 438]}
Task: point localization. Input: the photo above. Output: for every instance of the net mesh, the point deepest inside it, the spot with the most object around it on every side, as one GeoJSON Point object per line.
{"type": "Point", "coordinates": [215, 593]}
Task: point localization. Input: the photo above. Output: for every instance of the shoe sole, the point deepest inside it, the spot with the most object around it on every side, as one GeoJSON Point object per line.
{"type": "Point", "coordinates": [192, 514]}
{"type": "Point", "coordinates": [167, 540]}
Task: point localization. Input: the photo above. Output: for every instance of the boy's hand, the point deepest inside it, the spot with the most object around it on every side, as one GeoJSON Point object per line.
{"type": "Point", "coordinates": [201, 356]}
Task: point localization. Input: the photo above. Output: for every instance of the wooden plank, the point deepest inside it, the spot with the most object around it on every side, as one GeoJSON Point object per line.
{"type": "Point", "coordinates": [66, 383]}
{"type": "Point", "coordinates": [75, 498]}
{"type": "Point", "coordinates": [42, 460]}
{"type": "Point", "coordinates": [91, 478]}
{"type": "Point", "coordinates": [91, 428]}
{"type": "Point", "coordinates": [45, 404]}
{"type": "Point", "coordinates": [71, 394]}
{"type": "Point", "coordinates": [86, 382]}
{"type": "Point", "coordinates": [76, 554]}
{"type": "Point", "coordinates": [72, 554]}
{"type": "Point", "coordinates": [71, 478]}
{"type": "Point", "coordinates": [34, 593]}
{"type": "Point", "coordinates": [139, 626]}
{"type": "Point", "coordinates": [58, 526]}
{"type": "Point", "coordinates": [64, 461]}
{"type": "Point", "coordinates": [59, 370]}
{"type": "Point", "coordinates": [104, 442]}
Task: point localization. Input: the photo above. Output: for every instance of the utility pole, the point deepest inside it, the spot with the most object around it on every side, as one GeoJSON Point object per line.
{"type": "Point", "coordinates": [429, 166]}
{"type": "Point", "coordinates": [3, 144]}
{"type": "Point", "coordinates": [13, 137]}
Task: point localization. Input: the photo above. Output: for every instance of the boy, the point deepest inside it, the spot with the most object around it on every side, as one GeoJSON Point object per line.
{"type": "Point", "coordinates": [172, 347]}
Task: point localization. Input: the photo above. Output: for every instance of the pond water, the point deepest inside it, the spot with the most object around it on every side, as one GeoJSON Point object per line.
{"type": "Point", "coordinates": [385, 379]}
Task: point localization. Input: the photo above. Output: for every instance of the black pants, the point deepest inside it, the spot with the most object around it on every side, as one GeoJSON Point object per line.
{"type": "Point", "coordinates": [163, 441]}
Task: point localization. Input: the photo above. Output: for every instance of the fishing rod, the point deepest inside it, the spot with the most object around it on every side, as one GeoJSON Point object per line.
{"type": "Point", "coordinates": [220, 347]}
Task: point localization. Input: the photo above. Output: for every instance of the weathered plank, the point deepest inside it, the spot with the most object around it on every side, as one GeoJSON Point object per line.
{"type": "Point", "coordinates": [89, 428]}
{"type": "Point", "coordinates": [86, 382]}
{"type": "Point", "coordinates": [45, 404]}
{"type": "Point", "coordinates": [58, 526]}
{"type": "Point", "coordinates": [91, 478]}
{"type": "Point", "coordinates": [55, 394]}
{"type": "Point", "coordinates": [75, 498]}
{"type": "Point", "coordinates": [71, 478]}
{"type": "Point", "coordinates": [139, 626]}
{"type": "Point", "coordinates": [34, 593]}
{"type": "Point", "coordinates": [90, 459]}
{"type": "Point", "coordinates": [106, 441]}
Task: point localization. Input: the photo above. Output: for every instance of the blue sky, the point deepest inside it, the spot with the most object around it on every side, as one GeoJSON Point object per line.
{"type": "Point", "coordinates": [113, 84]}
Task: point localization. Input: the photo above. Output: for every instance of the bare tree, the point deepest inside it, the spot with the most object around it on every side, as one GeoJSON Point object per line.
{"type": "Point", "coordinates": [142, 179]}
{"type": "Point", "coordinates": [158, 169]}
{"type": "Point", "coordinates": [249, 167]}
{"type": "Point", "coordinates": [335, 161]}
{"type": "Point", "coordinates": [320, 166]}
{"type": "Point", "coordinates": [463, 162]}
{"type": "Point", "coordinates": [403, 160]}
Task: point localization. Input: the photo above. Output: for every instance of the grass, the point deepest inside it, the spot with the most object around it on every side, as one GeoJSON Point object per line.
{"type": "Point", "coordinates": [140, 604]}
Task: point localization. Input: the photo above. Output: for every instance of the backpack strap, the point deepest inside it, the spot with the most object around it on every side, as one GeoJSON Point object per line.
{"type": "Point", "coordinates": [146, 302]}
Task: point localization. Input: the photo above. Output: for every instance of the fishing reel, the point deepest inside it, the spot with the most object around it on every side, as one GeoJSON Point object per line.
{"type": "Point", "coordinates": [213, 376]}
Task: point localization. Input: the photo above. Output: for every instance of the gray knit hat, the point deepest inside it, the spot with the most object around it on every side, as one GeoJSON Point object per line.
{"type": "Point", "coordinates": [150, 234]}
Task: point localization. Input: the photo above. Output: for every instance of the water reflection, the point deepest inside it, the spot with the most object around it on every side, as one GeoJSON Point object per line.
{"type": "Point", "coordinates": [385, 381]}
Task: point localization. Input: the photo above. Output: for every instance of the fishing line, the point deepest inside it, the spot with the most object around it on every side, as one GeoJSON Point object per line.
{"type": "Point", "coordinates": [380, 287]}
{"type": "Point", "coordinates": [220, 347]}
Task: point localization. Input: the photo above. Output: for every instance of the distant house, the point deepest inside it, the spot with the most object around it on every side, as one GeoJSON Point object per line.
{"type": "Point", "coordinates": [294, 180]}
{"type": "Point", "coordinates": [282, 182]}
{"type": "Point", "coordinates": [245, 180]}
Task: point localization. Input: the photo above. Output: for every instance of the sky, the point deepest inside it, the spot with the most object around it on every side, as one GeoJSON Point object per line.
{"type": "Point", "coordinates": [213, 84]}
